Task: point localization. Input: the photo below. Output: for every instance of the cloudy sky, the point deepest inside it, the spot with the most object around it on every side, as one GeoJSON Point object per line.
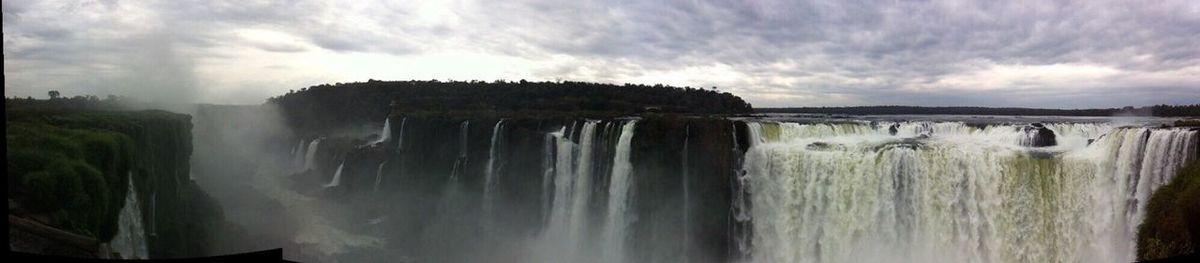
{"type": "Point", "coordinates": [1053, 54]}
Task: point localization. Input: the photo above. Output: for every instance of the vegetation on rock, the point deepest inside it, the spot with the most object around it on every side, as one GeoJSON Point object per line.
{"type": "Point", "coordinates": [1172, 223]}
{"type": "Point", "coordinates": [73, 165]}
{"type": "Point", "coordinates": [349, 103]}
{"type": "Point", "coordinates": [78, 176]}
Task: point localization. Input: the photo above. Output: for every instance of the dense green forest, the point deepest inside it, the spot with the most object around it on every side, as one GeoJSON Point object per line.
{"type": "Point", "coordinates": [342, 103]}
{"type": "Point", "coordinates": [76, 175]}
{"type": "Point", "coordinates": [1157, 110]}
{"type": "Point", "coordinates": [73, 167]}
{"type": "Point", "coordinates": [1172, 224]}
{"type": "Point", "coordinates": [75, 103]}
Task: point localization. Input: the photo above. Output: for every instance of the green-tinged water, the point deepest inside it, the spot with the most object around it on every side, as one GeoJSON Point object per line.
{"type": "Point", "coordinates": [945, 192]}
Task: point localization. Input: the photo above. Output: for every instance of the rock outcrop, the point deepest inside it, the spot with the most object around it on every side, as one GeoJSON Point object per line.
{"type": "Point", "coordinates": [1037, 135]}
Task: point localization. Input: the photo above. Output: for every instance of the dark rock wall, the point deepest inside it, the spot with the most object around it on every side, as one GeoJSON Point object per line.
{"type": "Point", "coordinates": [438, 215]}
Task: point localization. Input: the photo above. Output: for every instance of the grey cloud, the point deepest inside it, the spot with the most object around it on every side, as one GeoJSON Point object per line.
{"type": "Point", "coordinates": [282, 47]}
{"type": "Point", "coordinates": [337, 43]}
{"type": "Point", "coordinates": [866, 52]}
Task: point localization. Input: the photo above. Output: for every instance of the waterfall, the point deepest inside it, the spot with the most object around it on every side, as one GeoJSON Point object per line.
{"type": "Point", "coordinates": [311, 153]}
{"type": "Point", "coordinates": [385, 134]}
{"type": "Point", "coordinates": [460, 163]}
{"type": "Point", "coordinates": [299, 153]}
{"type": "Point", "coordinates": [582, 188]}
{"type": "Point", "coordinates": [378, 176]}
{"type": "Point", "coordinates": [400, 139]}
{"type": "Point", "coordinates": [550, 144]}
{"type": "Point", "coordinates": [131, 237]}
{"type": "Point", "coordinates": [618, 219]}
{"type": "Point", "coordinates": [490, 182]}
{"type": "Point", "coordinates": [1166, 151]}
{"type": "Point", "coordinates": [337, 176]}
{"type": "Point", "coordinates": [566, 229]}
{"type": "Point", "coordinates": [948, 192]}
{"type": "Point", "coordinates": [739, 208]}
{"type": "Point", "coordinates": [399, 151]}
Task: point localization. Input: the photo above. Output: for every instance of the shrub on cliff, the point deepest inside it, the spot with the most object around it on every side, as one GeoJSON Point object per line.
{"type": "Point", "coordinates": [78, 176]}
{"type": "Point", "coordinates": [51, 190]}
{"type": "Point", "coordinates": [1172, 223]}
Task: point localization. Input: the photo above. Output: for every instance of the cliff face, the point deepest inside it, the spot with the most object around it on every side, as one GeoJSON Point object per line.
{"type": "Point", "coordinates": [497, 185]}
{"type": "Point", "coordinates": [686, 169]}
{"type": "Point", "coordinates": [71, 169]}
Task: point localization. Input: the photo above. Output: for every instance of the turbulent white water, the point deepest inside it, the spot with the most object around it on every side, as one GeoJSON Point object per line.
{"type": "Point", "coordinates": [337, 176]}
{"type": "Point", "coordinates": [130, 240]}
{"type": "Point", "coordinates": [618, 220]}
{"type": "Point", "coordinates": [949, 192]}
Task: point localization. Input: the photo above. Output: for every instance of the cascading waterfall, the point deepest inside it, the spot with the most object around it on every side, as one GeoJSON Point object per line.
{"type": "Point", "coordinates": [385, 134]}
{"type": "Point", "coordinates": [337, 176]}
{"type": "Point", "coordinates": [130, 240]}
{"type": "Point", "coordinates": [949, 192]}
{"type": "Point", "coordinates": [299, 153]}
{"type": "Point", "coordinates": [566, 229]}
{"type": "Point", "coordinates": [576, 219]}
{"type": "Point", "coordinates": [550, 143]}
{"type": "Point", "coordinates": [739, 208]}
{"type": "Point", "coordinates": [490, 182]}
{"type": "Point", "coordinates": [461, 162]}
{"type": "Point", "coordinates": [399, 151]}
{"type": "Point", "coordinates": [1160, 163]}
{"type": "Point", "coordinates": [311, 153]}
{"type": "Point", "coordinates": [400, 138]}
{"type": "Point", "coordinates": [580, 226]}
{"type": "Point", "coordinates": [848, 191]}
{"type": "Point", "coordinates": [617, 222]}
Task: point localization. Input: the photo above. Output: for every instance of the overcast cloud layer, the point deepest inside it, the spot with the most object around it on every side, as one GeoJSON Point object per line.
{"type": "Point", "coordinates": [1053, 54]}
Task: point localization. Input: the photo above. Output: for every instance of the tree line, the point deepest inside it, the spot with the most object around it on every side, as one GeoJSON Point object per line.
{"type": "Point", "coordinates": [342, 103]}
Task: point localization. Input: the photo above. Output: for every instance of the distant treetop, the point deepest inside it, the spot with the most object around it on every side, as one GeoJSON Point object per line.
{"type": "Point", "coordinates": [373, 100]}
